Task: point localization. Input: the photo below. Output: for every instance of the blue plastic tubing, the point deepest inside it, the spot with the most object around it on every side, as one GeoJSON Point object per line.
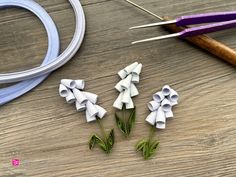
{"type": "Point", "coordinates": [52, 61]}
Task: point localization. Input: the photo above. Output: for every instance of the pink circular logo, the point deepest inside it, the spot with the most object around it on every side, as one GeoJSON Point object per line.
{"type": "Point", "coordinates": [15, 162]}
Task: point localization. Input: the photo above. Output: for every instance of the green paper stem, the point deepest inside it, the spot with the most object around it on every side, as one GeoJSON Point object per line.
{"type": "Point", "coordinates": [105, 143]}
{"type": "Point", "coordinates": [148, 146]}
{"type": "Point", "coordinates": [124, 121]}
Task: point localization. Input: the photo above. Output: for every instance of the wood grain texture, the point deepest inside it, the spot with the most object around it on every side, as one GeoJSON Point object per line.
{"type": "Point", "coordinates": [51, 139]}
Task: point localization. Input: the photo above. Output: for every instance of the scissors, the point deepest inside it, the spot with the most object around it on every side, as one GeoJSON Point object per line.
{"type": "Point", "coordinates": [224, 20]}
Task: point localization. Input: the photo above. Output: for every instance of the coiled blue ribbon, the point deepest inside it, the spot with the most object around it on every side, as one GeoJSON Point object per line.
{"type": "Point", "coordinates": [12, 92]}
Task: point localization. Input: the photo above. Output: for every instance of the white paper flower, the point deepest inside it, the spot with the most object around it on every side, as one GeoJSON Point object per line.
{"type": "Point", "coordinates": [72, 91]}
{"type": "Point", "coordinates": [161, 107]}
{"type": "Point", "coordinates": [126, 87]}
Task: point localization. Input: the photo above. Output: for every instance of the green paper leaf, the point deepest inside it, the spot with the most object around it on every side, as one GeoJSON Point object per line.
{"type": "Point", "coordinates": [101, 144]}
{"type": "Point", "coordinates": [146, 151]}
{"type": "Point", "coordinates": [120, 124]}
{"type": "Point", "coordinates": [125, 122]}
{"type": "Point", "coordinates": [140, 145]}
{"type": "Point", "coordinates": [92, 142]}
{"type": "Point", "coordinates": [106, 143]}
{"type": "Point", "coordinates": [95, 139]}
{"type": "Point", "coordinates": [147, 148]}
{"type": "Point", "coordinates": [131, 121]}
{"type": "Point", "coordinates": [111, 139]}
{"type": "Point", "coordinates": [154, 145]}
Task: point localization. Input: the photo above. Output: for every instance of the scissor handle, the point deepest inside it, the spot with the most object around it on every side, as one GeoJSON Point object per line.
{"type": "Point", "coordinates": [208, 28]}
{"type": "Point", "coordinates": [206, 18]}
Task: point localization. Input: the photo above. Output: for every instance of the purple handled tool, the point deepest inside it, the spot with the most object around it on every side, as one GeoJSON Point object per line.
{"type": "Point", "coordinates": [225, 20]}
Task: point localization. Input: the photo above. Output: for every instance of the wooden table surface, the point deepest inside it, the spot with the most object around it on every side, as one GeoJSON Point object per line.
{"type": "Point", "coordinates": [51, 139]}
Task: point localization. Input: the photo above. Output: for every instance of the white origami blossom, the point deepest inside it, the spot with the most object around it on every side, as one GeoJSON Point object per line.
{"type": "Point", "coordinates": [130, 76]}
{"type": "Point", "coordinates": [161, 107]}
{"type": "Point", "coordinates": [72, 91]}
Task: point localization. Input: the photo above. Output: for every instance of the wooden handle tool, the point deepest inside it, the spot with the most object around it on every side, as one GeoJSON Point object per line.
{"type": "Point", "coordinates": [207, 43]}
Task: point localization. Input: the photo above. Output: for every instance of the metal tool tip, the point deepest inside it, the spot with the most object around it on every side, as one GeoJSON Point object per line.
{"type": "Point", "coordinates": [132, 28]}
{"type": "Point", "coordinates": [157, 38]}
{"type": "Point", "coordinates": [136, 27]}
{"type": "Point", "coordinates": [136, 42]}
{"type": "Point", "coordinates": [154, 24]}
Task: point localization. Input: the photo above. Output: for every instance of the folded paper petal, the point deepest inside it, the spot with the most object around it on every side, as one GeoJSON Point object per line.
{"type": "Point", "coordinates": [70, 97]}
{"type": "Point", "coordinates": [137, 70]}
{"type": "Point", "coordinates": [169, 114]}
{"type": "Point", "coordinates": [130, 68]}
{"type": "Point", "coordinates": [158, 97]}
{"type": "Point", "coordinates": [166, 105]}
{"type": "Point", "coordinates": [80, 84]}
{"type": "Point", "coordinates": [130, 104]}
{"type": "Point", "coordinates": [122, 74]}
{"type": "Point", "coordinates": [80, 107]}
{"type": "Point", "coordinates": [174, 103]}
{"type": "Point", "coordinates": [63, 91]}
{"type": "Point", "coordinates": [68, 83]}
{"type": "Point", "coordinates": [160, 125]}
{"type": "Point", "coordinates": [118, 103]}
{"type": "Point", "coordinates": [81, 98]}
{"type": "Point", "coordinates": [126, 82]}
{"type": "Point", "coordinates": [119, 87]}
{"type": "Point", "coordinates": [101, 111]}
{"type": "Point", "coordinates": [151, 118]}
{"type": "Point", "coordinates": [133, 90]}
{"type": "Point", "coordinates": [126, 97]}
{"type": "Point", "coordinates": [92, 110]}
{"type": "Point", "coordinates": [173, 97]}
{"type": "Point", "coordinates": [90, 118]}
{"type": "Point", "coordinates": [126, 87]}
{"type": "Point", "coordinates": [93, 98]}
{"type": "Point", "coordinates": [166, 90]}
{"type": "Point", "coordinates": [135, 78]}
{"type": "Point", "coordinates": [160, 119]}
{"type": "Point", "coordinates": [153, 105]}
